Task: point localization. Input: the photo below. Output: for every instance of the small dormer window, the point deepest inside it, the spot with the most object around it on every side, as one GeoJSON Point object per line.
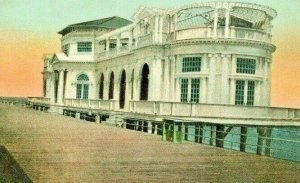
{"type": "Point", "coordinates": [65, 49]}
{"type": "Point", "coordinates": [83, 47]}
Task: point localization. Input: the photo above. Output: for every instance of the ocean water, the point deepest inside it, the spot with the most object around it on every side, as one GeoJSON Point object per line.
{"type": "Point", "coordinates": [285, 143]}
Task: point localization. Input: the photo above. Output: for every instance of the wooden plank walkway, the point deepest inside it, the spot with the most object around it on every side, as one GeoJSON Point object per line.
{"type": "Point", "coordinates": [55, 148]}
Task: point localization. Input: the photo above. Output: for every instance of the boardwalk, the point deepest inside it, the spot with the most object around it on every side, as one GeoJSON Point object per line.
{"type": "Point", "coordinates": [54, 148]}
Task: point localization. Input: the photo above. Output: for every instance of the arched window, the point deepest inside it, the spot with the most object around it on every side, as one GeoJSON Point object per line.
{"type": "Point", "coordinates": [82, 87]}
{"type": "Point", "coordinates": [122, 90]}
{"type": "Point", "coordinates": [101, 86]}
{"type": "Point", "coordinates": [111, 86]}
{"type": "Point", "coordinates": [144, 83]}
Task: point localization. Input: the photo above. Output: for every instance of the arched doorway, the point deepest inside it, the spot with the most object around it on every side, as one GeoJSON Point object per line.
{"type": "Point", "coordinates": [101, 86]}
{"type": "Point", "coordinates": [144, 83]}
{"type": "Point", "coordinates": [111, 86]}
{"type": "Point", "coordinates": [122, 90]}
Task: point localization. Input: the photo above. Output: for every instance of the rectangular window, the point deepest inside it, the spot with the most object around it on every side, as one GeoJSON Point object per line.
{"type": "Point", "coordinates": [85, 91]}
{"type": "Point", "coordinates": [184, 90]}
{"type": "Point", "coordinates": [239, 92]}
{"type": "Point", "coordinates": [78, 90]}
{"type": "Point", "coordinates": [84, 47]}
{"type": "Point", "coordinates": [195, 90]}
{"type": "Point", "coordinates": [250, 93]}
{"type": "Point", "coordinates": [245, 65]}
{"type": "Point", "coordinates": [191, 64]}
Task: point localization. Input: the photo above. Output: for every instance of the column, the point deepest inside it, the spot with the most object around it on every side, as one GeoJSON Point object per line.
{"type": "Point", "coordinates": [225, 80]}
{"type": "Point", "coordinates": [130, 39]}
{"type": "Point", "coordinates": [215, 23]}
{"type": "Point", "coordinates": [233, 64]}
{"type": "Point", "coordinates": [245, 92]}
{"type": "Point", "coordinates": [60, 87]}
{"type": "Point", "coordinates": [155, 80]}
{"type": "Point", "coordinates": [172, 78]}
{"type": "Point", "coordinates": [52, 87]}
{"type": "Point", "coordinates": [257, 93]}
{"type": "Point", "coordinates": [203, 90]}
{"type": "Point", "coordinates": [161, 30]}
{"type": "Point", "coordinates": [118, 42]}
{"type": "Point", "coordinates": [227, 22]}
{"type": "Point", "coordinates": [232, 91]}
{"type": "Point", "coordinates": [212, 78]}
{"type": "Point", "coordinates": [156, 29]}
{"type": "Point", "coordinates": [166, 79]}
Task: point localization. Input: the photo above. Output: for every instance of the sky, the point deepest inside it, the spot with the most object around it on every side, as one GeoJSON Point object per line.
{"type": "Point", "coordinates": [28, 29]}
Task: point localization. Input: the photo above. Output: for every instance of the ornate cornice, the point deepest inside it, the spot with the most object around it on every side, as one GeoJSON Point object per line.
{"type": "Point", "coordinates": [223, 41]}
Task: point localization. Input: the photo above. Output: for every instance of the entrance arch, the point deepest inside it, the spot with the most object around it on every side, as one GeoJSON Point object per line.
{"type": "Point", "coordinates": [144, 83]}
{"type": "Point", "coordinates": [122, 90]}
{"type": "Point", "coordinates": [101, 86]}
{"type": "Point", "coordinates": [111, 86]}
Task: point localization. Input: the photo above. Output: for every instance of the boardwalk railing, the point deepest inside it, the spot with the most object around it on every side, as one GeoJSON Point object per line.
{"type": "Point", "coordinates": [278, 142]}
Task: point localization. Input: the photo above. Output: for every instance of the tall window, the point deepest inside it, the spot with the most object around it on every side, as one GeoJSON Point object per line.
{"type": "Point", "coordinates": [195, 89]}
{"type": "Point", "coordinates": [111, 86]}
{"type": "Point", "coordinates": [244, 93]}
{"type": "Point", "coordinates": [191, 64]}
{"type": "Point", "coordinates": [84, 47]}
{"type": "Point", "coordinates": [190, 90]}
{"type": "Point", "coordinates": [250, 93]}
{"type": "Point", "coordinates": [239, 92]}
{"type": "Point", "coordinates": [245, 65]}
{"type": "Point", "coordinates": [82, 87]}
{"type": "Point", "coordinates": [184, 90]}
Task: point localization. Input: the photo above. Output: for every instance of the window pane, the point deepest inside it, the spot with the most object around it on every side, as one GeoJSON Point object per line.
{"type": "Point", "coordinates": [184, 90]}
{"type": "Point", "coordinates": [250, 93]}
{"type": "Point", "coordinates": [84, 47]}
{"type": "Point", "coordinates": [195, 90]}
{"type": "Point", "coordinates": [78, 90]}
{"type": "Point", "coordinates": [245, 65]}
{"type": "Point", "coordinates": [85, 91]}
{"type": "Point", "coordinates": [239, 92]}
{"type": "Point", "coordinates": [191, 64]}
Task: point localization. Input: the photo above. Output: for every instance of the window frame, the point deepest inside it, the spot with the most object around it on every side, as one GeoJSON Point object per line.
{"type": "Point", "coordinates": [85, 47]}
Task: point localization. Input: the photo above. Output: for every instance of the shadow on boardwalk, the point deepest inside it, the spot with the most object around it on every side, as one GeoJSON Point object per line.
{"type": "Point", "coordinates": [54, 148]}
{"type": "Point", "coordinates": [10, 171]}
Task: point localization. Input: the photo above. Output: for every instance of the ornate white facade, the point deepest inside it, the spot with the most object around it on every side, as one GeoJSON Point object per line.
{"type": "Point", "coordinates": [209, 53]}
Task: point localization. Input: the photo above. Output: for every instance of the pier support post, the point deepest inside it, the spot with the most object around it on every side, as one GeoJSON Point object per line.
{"type": "Point", "coordinates": [243, 139]}
{"type": "Point", "coordinates": [149, 130]}
{"type": "Point", "coordinates": [268, 141]}
{"type": "Point", "coordinates": [77, 115]}
{"type": "Point", "coordinates": [201, 133]}
{"type": "Point", "coordinates": [197, 133]}
{"type": "Point", "coordinates": [186, 131]}
{"type": "Point", "coordinates": [164, 132]}
{"type": "Point", "coordinates": [262, 134]}
{"type": "Point", "coordinates": [211, 140]}
{"type": "Point", "coordinates": [155, 129]}
{"type": "Point", "coordinates": [125, 124]}
{"type": "Point", "coordinates": [220, 136]}
{"type": "Point", "coordinates": [97, 119]}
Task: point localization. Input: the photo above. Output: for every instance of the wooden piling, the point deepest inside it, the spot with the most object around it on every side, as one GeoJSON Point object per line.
{"type": "Point", "coordinates": [220, 136]}
{"type": "Point", "coordinates": [268, 141]}
{"type": "Point", "coordinates": [243, 139]}
{"type": "Point", "coordinates": [186, 131]}
{"type": "Point", "coordinates": [260, 140]}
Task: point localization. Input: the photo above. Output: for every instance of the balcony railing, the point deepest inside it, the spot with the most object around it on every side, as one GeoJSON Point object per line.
{"type": "Point", "coordinates": [39, 100]}
{"type": "Point", "coordinates": [91, 104]}
{"type": "Point", "coordinates": [233, 33]}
